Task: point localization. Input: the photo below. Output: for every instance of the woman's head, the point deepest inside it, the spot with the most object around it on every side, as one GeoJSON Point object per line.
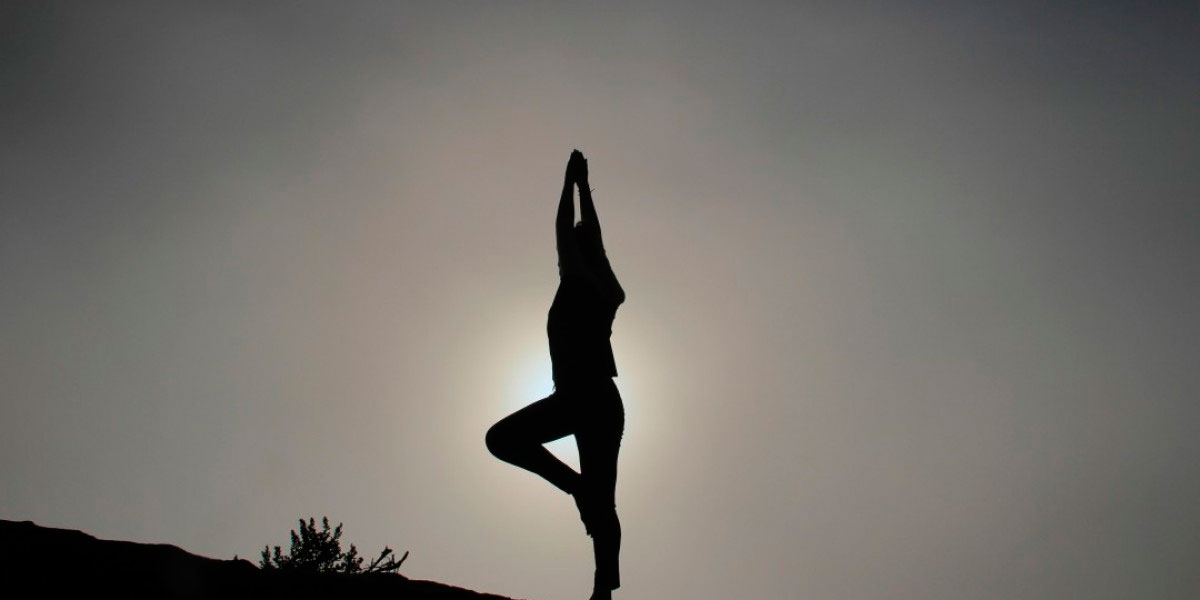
{"type": "Point", "coordinates": [591, 248]}
{"type": "Point", "coordinates": [587, 239]}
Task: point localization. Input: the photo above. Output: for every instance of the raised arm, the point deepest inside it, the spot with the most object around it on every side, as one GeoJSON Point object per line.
{"type": "Point", "coordinates": [587, 210]}
{"type": "Point", "coordinates": [596, 270]}
{"type": "Point", "coordinates": [569, 258]}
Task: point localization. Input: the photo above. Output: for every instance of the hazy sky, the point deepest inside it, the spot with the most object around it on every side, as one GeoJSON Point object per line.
{"type": "Point", "coordinates": [912, 287]}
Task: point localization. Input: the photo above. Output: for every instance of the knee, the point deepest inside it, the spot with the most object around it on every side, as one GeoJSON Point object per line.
{"type": "Point", "coordinates": [498, 442]}
{"type": "Point", "coordinates": [607, 515]}
{"type": "Point", "coordinates": [607, 526]}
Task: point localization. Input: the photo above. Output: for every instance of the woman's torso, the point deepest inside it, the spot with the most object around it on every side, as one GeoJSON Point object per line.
{"type": "Point", "coordinates": [579, 326]}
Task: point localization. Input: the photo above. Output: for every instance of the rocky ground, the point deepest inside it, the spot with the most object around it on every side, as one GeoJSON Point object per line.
{"type": "Point", "coordinates": [42, 562]}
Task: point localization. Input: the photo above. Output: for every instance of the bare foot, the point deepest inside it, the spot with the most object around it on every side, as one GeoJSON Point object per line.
{"type": "Point", "coordinates": [584, 514]}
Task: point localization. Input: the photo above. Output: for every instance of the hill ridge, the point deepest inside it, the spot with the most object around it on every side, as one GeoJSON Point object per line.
{"type": "Point", "coordinates": [51, 562]}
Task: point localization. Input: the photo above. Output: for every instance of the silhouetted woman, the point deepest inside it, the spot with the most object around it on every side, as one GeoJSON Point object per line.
{"type": "Point", "coordinates": [585, 401]}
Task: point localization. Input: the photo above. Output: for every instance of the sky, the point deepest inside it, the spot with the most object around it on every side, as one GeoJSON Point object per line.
{"type": "Point", "coordinates": [911, 286]}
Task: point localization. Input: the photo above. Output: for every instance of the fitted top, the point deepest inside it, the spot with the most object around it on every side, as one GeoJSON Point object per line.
{"type": "Point", "coordinates": [579, 327]}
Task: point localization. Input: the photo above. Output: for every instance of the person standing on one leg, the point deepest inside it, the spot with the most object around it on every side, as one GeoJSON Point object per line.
{"type": "Point", "coordinates": [585, 402]}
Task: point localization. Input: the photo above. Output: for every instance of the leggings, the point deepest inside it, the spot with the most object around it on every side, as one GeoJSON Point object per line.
{"type": "Point", "coordinates": [592, 411]}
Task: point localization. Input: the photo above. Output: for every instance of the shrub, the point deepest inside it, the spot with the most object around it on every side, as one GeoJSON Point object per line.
{"type": "Point", "coordinates": [316, 551]}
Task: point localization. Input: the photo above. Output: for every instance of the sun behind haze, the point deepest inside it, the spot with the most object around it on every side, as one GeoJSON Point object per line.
{"type": "Point", "coordinates": [911, 288]}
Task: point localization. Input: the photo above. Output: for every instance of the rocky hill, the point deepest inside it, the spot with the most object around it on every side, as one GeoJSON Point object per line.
{"type": "Point", "coordinates": [50, 563]}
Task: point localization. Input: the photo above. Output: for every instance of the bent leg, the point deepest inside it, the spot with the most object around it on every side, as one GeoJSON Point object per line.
{"type": "Point", "coordinates": [518, 439]}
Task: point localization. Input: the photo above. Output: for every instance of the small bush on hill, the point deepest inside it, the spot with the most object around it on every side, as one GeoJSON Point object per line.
{"type": "Point", "coordinates": [321, 552]}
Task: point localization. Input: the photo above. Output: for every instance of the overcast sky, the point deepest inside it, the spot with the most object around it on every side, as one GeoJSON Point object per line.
{"type": "Point", "coordinates": [912, 287]}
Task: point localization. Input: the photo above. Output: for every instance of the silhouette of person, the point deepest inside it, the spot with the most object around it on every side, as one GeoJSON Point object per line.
{"type": "Point", "coordinates": [585, 401]}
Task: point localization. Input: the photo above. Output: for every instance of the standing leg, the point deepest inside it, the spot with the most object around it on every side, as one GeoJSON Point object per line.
{"type": "Point", "coordinates": [518, 439]}
{"type": "Point", "coordinates": [599, 441]}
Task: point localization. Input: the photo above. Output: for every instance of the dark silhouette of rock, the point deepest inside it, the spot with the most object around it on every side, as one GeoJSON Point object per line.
{"type": "Point", "coordinates": [42, 562]}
